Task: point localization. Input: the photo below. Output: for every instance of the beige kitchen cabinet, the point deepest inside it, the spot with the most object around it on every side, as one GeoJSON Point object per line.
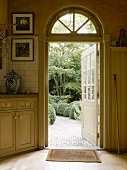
{"type": "Point", "coordinates": [17, 125]}
{"type": "Point", "coordinates": [24, 129]}
{"type": "Point", "coordinates": [7, 132]}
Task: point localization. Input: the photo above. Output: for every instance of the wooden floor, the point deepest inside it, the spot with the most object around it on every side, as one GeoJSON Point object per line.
{"type": "Point", "coordinates": [37, 161]}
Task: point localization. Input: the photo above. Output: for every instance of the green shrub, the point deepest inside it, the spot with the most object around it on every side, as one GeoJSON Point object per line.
{"type": "Point", "coordinates": [65, 98]}
{"type": "Point", "coordinates": [53, 98]}
{"type": "Point", "coordinates": [75, 112]}
{"type": "Point", "coordinates": [61, 101]}
{"type": "Point", "coordinates": [57, 99]}
{"type": "Point", "coordinates": [67, 111]}
{"type": "Point", "coordinates": [50, 100]}
{"type": "Point", "coordinates": [74, 102]}
{"type": "Point", "coordinates": [51, 114]}
{"type": "Point", "coordinates": [61, 108]}
{"type": "Point", "coordinates": [55, 105]}
{"type": "Point", "coordinates": [71, 114]}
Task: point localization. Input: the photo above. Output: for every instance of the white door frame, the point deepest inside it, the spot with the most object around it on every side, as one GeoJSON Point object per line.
{"type": "Point", "coordinates": [105, 42]}
{"type": "Point", "coordinates": [45, 64]}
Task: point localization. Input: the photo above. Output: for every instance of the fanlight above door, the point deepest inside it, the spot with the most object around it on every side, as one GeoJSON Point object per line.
{"type": "Point", "coordinates": [74, 22]}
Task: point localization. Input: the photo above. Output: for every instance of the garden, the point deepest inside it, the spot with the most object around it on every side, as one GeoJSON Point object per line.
{"type": "Point", "coordinates": [65, 80]}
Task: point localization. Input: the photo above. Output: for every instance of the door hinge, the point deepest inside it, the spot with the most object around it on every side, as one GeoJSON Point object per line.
{"type": "Point", "coordinates": [98, 135]}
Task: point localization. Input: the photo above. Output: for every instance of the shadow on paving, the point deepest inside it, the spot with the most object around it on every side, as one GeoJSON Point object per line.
{"type": "Point", "coordinates": [66, 132]}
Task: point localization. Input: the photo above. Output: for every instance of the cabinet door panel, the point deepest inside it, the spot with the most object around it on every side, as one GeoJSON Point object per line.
{"type": "Point", "coordinates": [25, 129]}
{"type": "Point", "coordinates": [7, 132]}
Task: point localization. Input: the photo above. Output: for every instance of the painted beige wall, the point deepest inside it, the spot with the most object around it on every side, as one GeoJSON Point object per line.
{"type": "Point", "coordinates": [3, 11]}
{"type": "Point", "coordinates": [118, 111]}
{"type": "Point", "coordinates": [27, 70]}
{"type": "Point", "coordinates": [112, 13]}
{"type": "Point", "coordinates": [3, 20]}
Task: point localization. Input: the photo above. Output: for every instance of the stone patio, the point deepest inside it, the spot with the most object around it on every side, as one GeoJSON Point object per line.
{"type": "Point", "coordinates": [66, 132]}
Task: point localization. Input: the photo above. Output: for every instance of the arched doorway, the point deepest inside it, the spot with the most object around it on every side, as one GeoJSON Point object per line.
{"type": "Point", "coordinates": [75, 32]}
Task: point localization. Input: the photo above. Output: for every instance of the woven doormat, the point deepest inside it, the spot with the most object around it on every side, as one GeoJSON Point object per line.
{"type": "Point", "coordinates": [73, 155]}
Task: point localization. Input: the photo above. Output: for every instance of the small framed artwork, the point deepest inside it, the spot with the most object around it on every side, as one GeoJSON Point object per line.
{"type": "Point", "coordinates": [23, 23]}
{"type": "Point", "coordinates": [22, 49]}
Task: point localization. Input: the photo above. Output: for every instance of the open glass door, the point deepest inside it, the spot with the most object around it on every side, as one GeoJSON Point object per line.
{"type": "Point", "coordinates": [89, 95]}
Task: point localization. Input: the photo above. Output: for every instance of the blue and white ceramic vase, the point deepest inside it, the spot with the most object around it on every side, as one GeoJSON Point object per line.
{"type": "Point", "coordinates": [12, 82]}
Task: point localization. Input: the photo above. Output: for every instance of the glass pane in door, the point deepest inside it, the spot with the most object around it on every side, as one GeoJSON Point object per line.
{"type": "Point", "coordinates": [92, 92]}
{"type": "Point", "coordinates": [88, 61]}
{"type": "Point", "coordinates": [92, 76]}
{"type": "Point", "coordinates": [89, 93]}
{"type": "Point", "coordinates": [85, 77]}
{"type": "Point", "coordinates": [84, 92]}
{"type": "Point", "coordinates": [89, 76]}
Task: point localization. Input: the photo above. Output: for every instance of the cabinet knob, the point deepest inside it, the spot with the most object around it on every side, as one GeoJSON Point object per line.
{"type": "Point", "coordinates": [20, 117]}
{"type": "Point", "coordinates": [15, 117]}
{"type": "Point", "coordinates": [26, 104]}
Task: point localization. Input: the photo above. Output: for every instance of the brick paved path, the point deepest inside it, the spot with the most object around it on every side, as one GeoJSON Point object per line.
{"type": "Point", "coordinates": [66, 132]}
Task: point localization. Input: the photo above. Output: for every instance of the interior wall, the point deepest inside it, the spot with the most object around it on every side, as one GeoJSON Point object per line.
{"type": "Point", "coordinates": [3, 11]}
{"type": "Point", "coordinates": [3, 20]}
{"type": "Point", "coordinates": [112, 13]}
{"type": "Point", "coordinates": [118, 102]}
{"type": "Point", "coordinates": [27, 70]}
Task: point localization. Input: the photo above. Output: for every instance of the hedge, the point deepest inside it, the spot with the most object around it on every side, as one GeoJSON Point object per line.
{"type": "Point", "coordinates": [51, 114]}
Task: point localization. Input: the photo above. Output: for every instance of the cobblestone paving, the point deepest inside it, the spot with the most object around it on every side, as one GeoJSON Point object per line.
{"type": "Point", "coordinates": [66, 132]}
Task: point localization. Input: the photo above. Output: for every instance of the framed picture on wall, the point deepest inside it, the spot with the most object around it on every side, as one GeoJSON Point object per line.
{"type": "Point", "coordinates": [22, 49]}
{"type": "Point", "coordinates": [23, 23]}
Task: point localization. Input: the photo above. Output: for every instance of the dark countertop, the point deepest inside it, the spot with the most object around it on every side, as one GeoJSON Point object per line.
{"type": "Point", "coordinates": [18, 95]}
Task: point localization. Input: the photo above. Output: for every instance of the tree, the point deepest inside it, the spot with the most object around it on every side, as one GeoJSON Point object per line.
{"type": "Point", "coordinates": [65, 69]}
